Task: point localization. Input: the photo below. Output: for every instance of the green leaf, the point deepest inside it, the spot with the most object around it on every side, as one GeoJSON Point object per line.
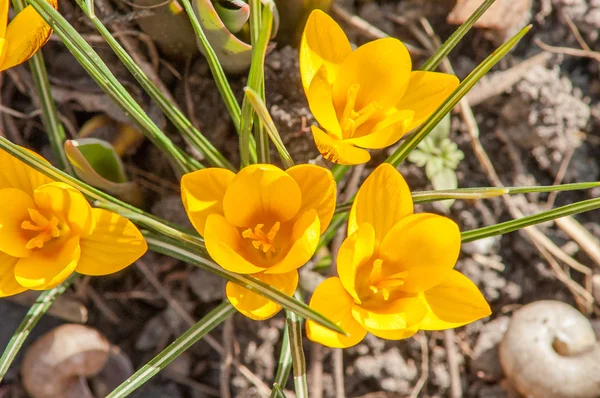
{"type": "Point", "coordinates": [179, 250]}
{"type": "Point", "coordinates": [419, 157]}
{"type": "Point", "coordinates": [232, 54]}
{"type": "Point", "coordinates": [261, 24]}
{"type": "Point", "coordinates": [97, 157]}
{"type": "Point", "coordinates": [294, 324]}
{"type": "Point", "coordinates": [411, 143]}
{"type": "Point", "coordinates": [513, 225]}
{"type": "Point", "coordinates": [50, 117]}
{"type": "Point", "coordinates": [432, 63]}
{"type": "Point", "coordinates": [264, 116]}
{"type": "Point", "coordinates": [178, 347]}
{"type": "Point", "coordinates": [98, 70]}
{"type": "Point", "coordinates": [445, 179]}
{"type": "Point", "coordinates": [285, 363]}
{"type": "Point", "coordinates": [434, 166]}
{"type": "Point", "coordinates": [171, 111]}
{"type": "Point", "coordinates": [37, 310]}
{"type": "Point", "coordinates": [233, 13]}
{"type": "Point", "coordinates": [442, 130]}
{"type": "Point", "coordinates": [96, 162]}
{"type": "Point", "coordinates": [277, 392]}
{"type": "Point", "coordinates": [477, 193]}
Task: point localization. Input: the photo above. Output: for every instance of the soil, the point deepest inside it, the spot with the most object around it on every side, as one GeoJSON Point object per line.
{"type": "Point", "coordinates": [542, 126]}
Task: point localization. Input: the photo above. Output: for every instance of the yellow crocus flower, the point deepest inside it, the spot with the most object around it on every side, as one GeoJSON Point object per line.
{"type": "Point", "coordinates": [395, 270]}
{"type": "Point", "coordinates": [366, 98]}
{"type": "Point", "coordinates": [262, 221]}
{"type": "Point", "coordinates": [23, 36]}
{"type": "Point", "coordinates": [48, 230]}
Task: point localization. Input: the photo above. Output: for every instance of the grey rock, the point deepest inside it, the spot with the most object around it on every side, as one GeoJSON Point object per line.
{"type": "Point", "coordinates": [206, 286]}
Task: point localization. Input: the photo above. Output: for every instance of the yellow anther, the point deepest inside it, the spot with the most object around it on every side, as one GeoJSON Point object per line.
{"type": "Point", "coordinates": [260, 240]}
{"type": "Point", "coordinates": [47, 229]}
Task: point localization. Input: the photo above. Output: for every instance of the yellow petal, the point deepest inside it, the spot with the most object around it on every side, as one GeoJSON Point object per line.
{"type": "Point", "coordinates": [12, 237]}
{"type": "Point", "coordinates": [320, 101]}
{"type": "Point", "coordinates": [255, 306]}
{"type": "Point", "coordinates": [261, 194]}
{"type": "Point", "coordinates": [4, 7]}
{"type": "Point", "coordinates": [68, 204]}
{"type": "Point", "coordinates": [355, 251]}
{"type": "Point", "coordinates": [304, 242]}
{"type": "Point", "coordinates": [382, 201]}
{"type": "Point", "coordinates": [386, 132]}
{"type": "Point", "coordinates": [25, 35]}
{"type": "Point", "coordinates": [334, 303]}
{"type": "Point", "coordinates": [425, 93]}
{"type": "Point", "coordinates": [323, 43]}
{"type": "Point", "coordinates": [16, 174]}
{"type": "Point", "coordinates": [202, 194]}
{"type": "Point", "coordinates": [381, 68]}
{"type": "Point", "coordinates": [318, 191]}
{"type": "Point", "coordinates": [426, 246]}
{"type": "Point", "coordinates": [399, 334]}
{"type": "Point", "coordinates": [115, 243]}
{"type": "Point", "coordinates": [338, 151]}
{"type": "Point", "coordinates": [404, 313]}
{"type": "Point", "coordinates": [48, 267]}
{"type": "Point", "coordinates": [454, 302]}
{"type": "Point", "coordinates": [8, 284]}
{"type": "Point", "coordinates": [226, 246]}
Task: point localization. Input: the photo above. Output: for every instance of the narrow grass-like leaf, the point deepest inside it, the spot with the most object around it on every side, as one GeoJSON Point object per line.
{"type": "Point", "coordinates": [407, 146]}
{"type": "Point", "coordinates": [261, 25]}
{"type": "Point", "coordinates": [178, 250]}
{"type": "Point", "coordinates": [285, 362]}
{"type": "Point", "coordinates": [264, 116]}
{"type": "Point", "coordinates": [434, 61]}
{"type": "Point", "coordinates": [513, 225]}
{"type": "Point", "coordinates": [50, 119]}
{"type": "Point", "coordinates": [35, 313]}
{"type": "Point", "coordinates": [336, 223]}
{"type": "Point", "coordinates": [215, 67]}
{"type": "Point", "coordinates": [173, 113]}
{"type": "Point", "coordinates": [339, 171]}
{"type": "Point", "coordinates": [483, 193]}
{"type": "Point", "coordinates": [294, 323]}
{"type": "Point", "coordinates": [176, 348]}
{"type": "Point", "coordinates": [277, 392]}
{"type": "Point", "coordinates": [106, 201]}
{"type": "Point", "coordinates": [98, 70]}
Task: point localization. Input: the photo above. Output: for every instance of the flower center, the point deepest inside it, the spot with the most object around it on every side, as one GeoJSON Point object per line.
{"type": "Point", "coordinates": [383, 286]}
{"type": "Point", "coordinates": [260, 240]}
{"type": "Point", "coordinates": [351, 119]}
{"type": "Point", "coordinates": [45, 228]}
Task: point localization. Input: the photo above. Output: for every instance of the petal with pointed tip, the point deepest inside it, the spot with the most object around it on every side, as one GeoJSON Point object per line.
{"type": "Point", "coordinates": [382, 200]}
{"type": "Point", "coordinates": [114, 244]}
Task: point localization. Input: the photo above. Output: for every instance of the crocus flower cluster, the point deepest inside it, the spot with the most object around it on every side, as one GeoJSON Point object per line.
{"type": "Point", "coordinates": [395, 268]}
{"type": "Point", "coordinates": [48, 230]}
{"type": "Point", "coordinates": [366, 98]}
{"type": "Point", "coordinates": [23, 36]}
